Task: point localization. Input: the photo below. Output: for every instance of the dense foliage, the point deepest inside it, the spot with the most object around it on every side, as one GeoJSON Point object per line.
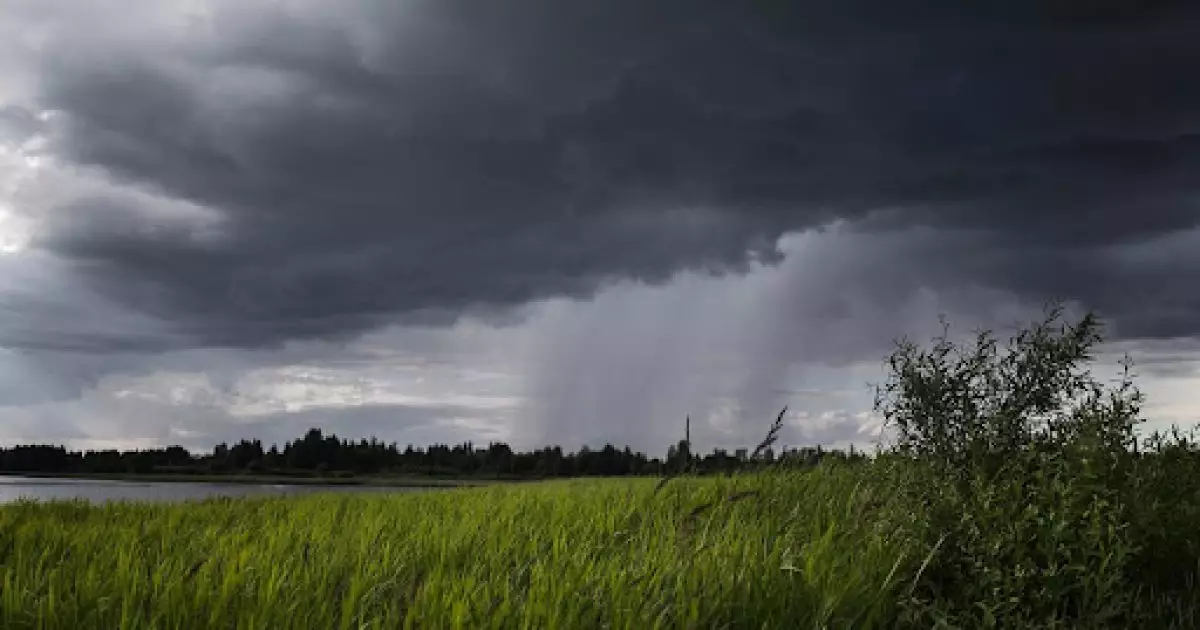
{"type": "Point", "coordinates": [1022, 474]}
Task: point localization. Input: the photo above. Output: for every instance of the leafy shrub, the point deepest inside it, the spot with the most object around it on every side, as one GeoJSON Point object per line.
{"type": "Point", "coordinates": [1018, 465]}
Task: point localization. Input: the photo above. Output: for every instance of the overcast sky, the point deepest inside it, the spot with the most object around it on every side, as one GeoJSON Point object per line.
{"type": "Point", "coordinates": [548, 221]}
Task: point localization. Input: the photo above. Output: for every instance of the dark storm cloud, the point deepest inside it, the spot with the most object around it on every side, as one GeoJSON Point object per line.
{"type": "Point", "coordinates": [421, 159]}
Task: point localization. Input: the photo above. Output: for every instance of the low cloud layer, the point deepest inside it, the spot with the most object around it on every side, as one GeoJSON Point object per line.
{"type": "Point", "coordinates": [650, 204]}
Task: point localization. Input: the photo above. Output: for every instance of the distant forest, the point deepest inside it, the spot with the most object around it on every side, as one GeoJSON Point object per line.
{"type": "Point", "coordinates": [318, 454]}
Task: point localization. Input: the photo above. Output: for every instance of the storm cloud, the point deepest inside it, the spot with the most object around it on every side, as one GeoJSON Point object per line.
{"type": "Point", "coordinates": [192, 175]}
{"type": "Point", "coordinates": [345, 167]}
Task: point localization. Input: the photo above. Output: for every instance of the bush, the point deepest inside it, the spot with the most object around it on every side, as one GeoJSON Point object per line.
{"type": "Point", "coordinates": [1017, 469]}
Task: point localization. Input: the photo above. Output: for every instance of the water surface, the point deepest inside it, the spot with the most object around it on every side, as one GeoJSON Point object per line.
{"type": "Point", "coordinates": [100, 491]}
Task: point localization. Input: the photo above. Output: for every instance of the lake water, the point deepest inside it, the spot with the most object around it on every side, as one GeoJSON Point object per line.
{"type": "Point", "coordinates": [100, 491]}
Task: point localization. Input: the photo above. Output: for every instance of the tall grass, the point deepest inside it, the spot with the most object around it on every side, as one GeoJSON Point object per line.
{"type": "Point", "coordinates": [803, 552]}
{"type": "Point", "coordinates": [835, 547]}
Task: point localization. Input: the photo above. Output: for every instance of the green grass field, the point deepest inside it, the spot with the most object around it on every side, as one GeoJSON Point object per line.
{"type": "Point", "coordinates": [835, 547]}
{"type": "Point", "coordinates": [575, 554]}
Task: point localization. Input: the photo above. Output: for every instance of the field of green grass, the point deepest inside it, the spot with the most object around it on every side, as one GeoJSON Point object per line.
{"type": "Point", "coordinates": [803, 552]}
{"type": "Point", "coordinates": [842, 546]}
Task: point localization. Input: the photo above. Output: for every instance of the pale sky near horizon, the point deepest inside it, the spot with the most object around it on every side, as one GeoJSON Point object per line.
{"type": "Point", "coordinates": [555, 222]}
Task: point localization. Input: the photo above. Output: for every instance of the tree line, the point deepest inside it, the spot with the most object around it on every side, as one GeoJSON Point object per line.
{"type": "Point", "coordinates": [318, 453]}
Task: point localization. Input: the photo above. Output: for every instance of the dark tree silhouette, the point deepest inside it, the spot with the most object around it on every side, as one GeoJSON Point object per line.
{"type": "Point", "coordinates": [317, 453]}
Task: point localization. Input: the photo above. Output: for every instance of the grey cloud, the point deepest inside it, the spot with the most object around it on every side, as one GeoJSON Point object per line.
{"type": "Point", "coordinates": [1161, 359]}
{"type": "Point", "coordinates": [84, 422]}
{"type": "Point", "coordinates": [405, 424]}
{"type": "Point", "coordinates": [420, 390]}
{"type": "Point", "coordinates": [1175, 367]}
{"type": "Point", "coordinates": [839, 428]}
{"type": "Point", "coordinates": [731, 351]}
{"type": "Point", "coordinates": [419, 160]}
{"type": "Point", "coordinates": [18, 124]}
{"type": "Point", "coordinates": [625, 367]}
{"type": "Point", "coordinates": [45, 309]}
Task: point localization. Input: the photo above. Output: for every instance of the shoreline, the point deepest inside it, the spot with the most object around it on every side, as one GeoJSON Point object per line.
{"type": "Point", "coordinates": [280, 480]}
